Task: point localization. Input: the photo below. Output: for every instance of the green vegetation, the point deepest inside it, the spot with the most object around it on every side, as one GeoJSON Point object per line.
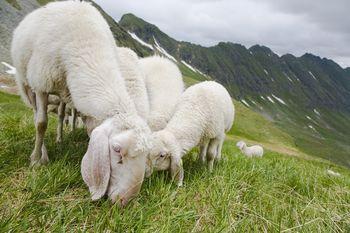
{"type": "Point", "coordinates": [303, 83]}
{"type": "Point", "coordinates": [274, 193]}
{"type": "Point", "coordinates": [14, 3]}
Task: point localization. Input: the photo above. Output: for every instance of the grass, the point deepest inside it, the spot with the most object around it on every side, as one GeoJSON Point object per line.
{"type": "Point", "coordinates": [275, 193]}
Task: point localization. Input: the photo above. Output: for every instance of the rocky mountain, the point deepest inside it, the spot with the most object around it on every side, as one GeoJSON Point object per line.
{"type": "Point", "coordinates": [307, 96]}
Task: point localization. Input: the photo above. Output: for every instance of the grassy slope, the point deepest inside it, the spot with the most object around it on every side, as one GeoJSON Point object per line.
{"type": "Point", "coordinates": [274, 193]}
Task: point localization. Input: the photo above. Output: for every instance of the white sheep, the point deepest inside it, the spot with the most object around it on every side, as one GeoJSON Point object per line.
{"type": "Point", "coordinates": [250, 151]}
{"type": "Point", "coordinates": [164, 85]}
{"type": "Point", "coordinates": [66, 48]}
{"type": "Point", "coordinates": [202, 116]}
{"type": "Point", "coordinates": [134, 79]}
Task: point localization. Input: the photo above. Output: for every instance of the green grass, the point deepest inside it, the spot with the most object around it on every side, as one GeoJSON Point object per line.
{"type": "Point", "coordinates": [274, 193]}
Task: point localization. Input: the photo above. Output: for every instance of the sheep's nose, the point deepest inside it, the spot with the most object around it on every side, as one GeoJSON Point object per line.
{"type": "Point", "coordinates": [120, 201]}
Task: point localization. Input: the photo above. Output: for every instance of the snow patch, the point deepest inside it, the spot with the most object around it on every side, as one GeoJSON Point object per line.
{"type": "Point", "coordinates": [245, 103]}
{"type": "Point", "coordinates": [262, 97]}
{"type": "Point", "coordinates": [279, 99]}
{"type": "Point", "coordinates": [189, 66]}
{"type": "Point", "coordinates": [311, 127]}
{"type": "Point", "coordinates": [333, 173]}
{"type": "Point", "coordinates": [11, 69]}
{"type": "Point", "coordinates": [285, 74]}
{"type": "Point", "coordinates": [138, 39]}
{"type": "Point", "coordinates": [313, 76]}
{"type": "Point", "coordinates": [270, 99]}
{"type": "Point", "coordinates": [266, 72]}
{"type": "Point", "coordinates": [163, 51]}
{"type": "Point", "coordinates": [4, 86]}
{"type": "Point", "coordinates": [317, 112]}
{"type": "Point", "coordinates": [253, 102]}
{"type": "Point", "coordinates": [251, 52]}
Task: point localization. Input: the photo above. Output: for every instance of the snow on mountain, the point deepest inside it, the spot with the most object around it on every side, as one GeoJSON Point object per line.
{"type": "Point", "coordinates": [11, 69]}
{"type": "Point", "coordinates": [279, 99]}
{"type": "Point", "coordinates": [163, 51]}
{"type": "Point", "coordinates": [135, 37]}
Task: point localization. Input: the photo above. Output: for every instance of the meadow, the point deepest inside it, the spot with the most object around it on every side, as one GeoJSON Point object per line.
{"type": "Point", "coordinates": [285, 191]}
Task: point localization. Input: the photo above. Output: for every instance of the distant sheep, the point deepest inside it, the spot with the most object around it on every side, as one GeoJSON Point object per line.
{"type": "Point", "coordinates": [67, 48]}
{"type": "Point", "coordinates": [202, 116]}
{"type": "Point", "coordinates": [164, 85]}
{"type": "Point", "coordinates": [250, 151]}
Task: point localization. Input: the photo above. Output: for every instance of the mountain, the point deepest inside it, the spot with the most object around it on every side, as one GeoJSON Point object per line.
{"type": "Point", "coordinates": [307, 96]}
{"type": "Point", "coordinates": [13, 11]}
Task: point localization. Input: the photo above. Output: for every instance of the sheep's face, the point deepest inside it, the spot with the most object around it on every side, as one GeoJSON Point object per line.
{"type": "Point", "coordinates": [114, 164]}
{"type": "Point", "coordinates": [240, 145]}
{"type": "Point", "coordinates": [164, 155]}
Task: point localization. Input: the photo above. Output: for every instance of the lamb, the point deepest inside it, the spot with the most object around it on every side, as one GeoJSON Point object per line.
{"type": "Point", "coordinates": [164, 85]}
{"type": "Point", "coordinates": [250, 151]}
{"type": "Point", "coordinates": [67, 49]}
{"type": "Point", "coordinates": [202, 116]}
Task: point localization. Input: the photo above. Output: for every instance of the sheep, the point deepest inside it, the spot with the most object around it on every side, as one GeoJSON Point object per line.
{"type": "Point", "coordinates": [164, 85]}
{"type": "Point", "coordinates": [130, 69]}
{"type": "Point", "coordinates": [250, 151]}
{"type": "Point", "coordinates": [67, 49]}
{"type": "Point", "coordinates": [202, 115]}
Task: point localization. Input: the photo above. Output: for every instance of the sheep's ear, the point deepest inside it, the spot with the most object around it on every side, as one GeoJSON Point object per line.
{"type": "Point", "coordinates": [176, 169]}
{"type": "Point", "coordinates": [95, 166]}
{"type": "Point", "coordinates": [122, 142]}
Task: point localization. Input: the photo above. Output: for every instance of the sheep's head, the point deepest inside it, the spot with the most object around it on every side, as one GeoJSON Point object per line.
{"type": "Point", "coordinates": [165, 154]}
{"type": "Point", "coordinates": [240, 144]}
{"type": "Point", "coordinates": [114, 163]}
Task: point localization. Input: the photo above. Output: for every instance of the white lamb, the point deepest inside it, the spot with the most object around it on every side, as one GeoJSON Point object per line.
{"type": "Point", "coordinates": [164, 85]}
{"type": "Point", "coordinates": [66, 48]}
{"type": "Point", "coordinates": [202, 116]}
{"type": "Point", "coordinates": [250, 151]}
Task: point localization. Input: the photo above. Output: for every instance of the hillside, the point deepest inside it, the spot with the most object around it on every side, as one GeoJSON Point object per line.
{"type": "Point", "coordinates": [13, 11]}
{"type": "Point", "coordinates": [308, 97]}
{"type": "Point", "coordinates": [286, 190]}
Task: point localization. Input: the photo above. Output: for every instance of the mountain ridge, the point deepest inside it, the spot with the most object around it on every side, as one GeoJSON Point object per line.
{"type": "Point", "coordinates": [288, 90]}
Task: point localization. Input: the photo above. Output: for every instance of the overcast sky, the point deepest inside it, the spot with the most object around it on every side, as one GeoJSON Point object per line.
{"type": "Point", "coordinates": [321, 27]}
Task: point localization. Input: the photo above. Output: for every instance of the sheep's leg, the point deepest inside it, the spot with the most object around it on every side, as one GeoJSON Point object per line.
{"type": "Point", "coordinates": [212, 153]}
{"type": "Point", "coordinates": [39, 154]}
{"type": "Point", "coordinates": [221, 142]}
{"type": "Point", "coordinates": [74, 119]}
{"type": "Point", "coordinates": [203, 151]}
{"type": "Point", "coordinates": [61, 114]}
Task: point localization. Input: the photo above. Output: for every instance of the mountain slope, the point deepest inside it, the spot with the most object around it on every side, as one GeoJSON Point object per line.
{"type": "Point", "coordinates": [307, 96]}
{"type": "Point", "coordinates": [13, 11]}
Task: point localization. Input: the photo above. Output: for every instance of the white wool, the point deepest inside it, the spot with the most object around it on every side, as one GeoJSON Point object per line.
{"type": "Point", "coordinates": [164, 85]}
{"type": "Point", "coordinates": [67, 48]}
{"type": "Point", "coordinates": [333, 173]}
{"type": "Point", "coordinates": [204, 111]}
{"type": "Point", "coordinates": [250, 151]}
{"type": "Point", "coordinates": [134, 78]}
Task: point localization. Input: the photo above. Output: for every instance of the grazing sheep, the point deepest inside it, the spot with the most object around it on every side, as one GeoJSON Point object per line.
{"type": "Point", "coordinates": [67, 49]}
{"type": "Point", "coordinates": [202, 116]}
{"type": "Point", "coordinates": [164, 85]}
{"type": "Point", "coordinates": [250, 151]}
{"type": "Point", "coordinates": [130, 69]}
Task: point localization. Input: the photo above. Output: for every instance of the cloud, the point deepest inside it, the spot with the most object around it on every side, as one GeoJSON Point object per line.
{"type": "Point", "coordinates": [321, 27]}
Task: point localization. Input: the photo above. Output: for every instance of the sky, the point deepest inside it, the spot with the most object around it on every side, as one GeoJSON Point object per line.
{"type": "Point", "coordinates": [321, 27]}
